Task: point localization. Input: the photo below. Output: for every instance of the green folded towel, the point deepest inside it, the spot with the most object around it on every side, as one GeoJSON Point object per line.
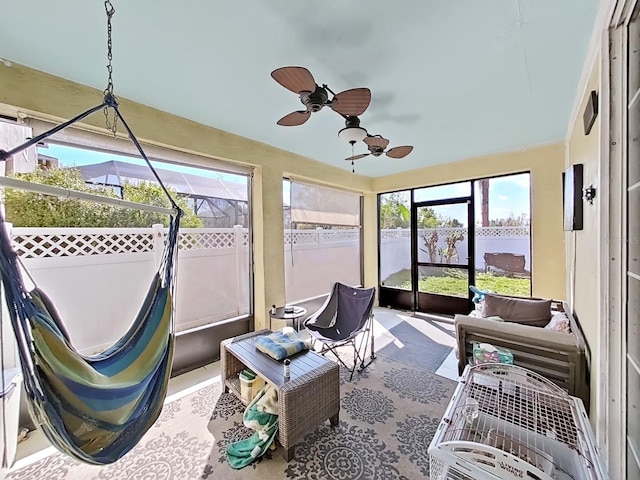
{"type": "Point", "coordinates": [261, 416]}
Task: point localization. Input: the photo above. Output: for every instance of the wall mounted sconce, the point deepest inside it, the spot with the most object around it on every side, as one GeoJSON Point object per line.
{"type": "Point", "coordinates": [588, 194]}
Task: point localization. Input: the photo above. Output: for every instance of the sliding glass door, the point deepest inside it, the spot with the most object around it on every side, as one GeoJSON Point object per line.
{"type": "Point", "coordinates": [394, 242]}
{"type": "Point", "coordinates": [442, 269]}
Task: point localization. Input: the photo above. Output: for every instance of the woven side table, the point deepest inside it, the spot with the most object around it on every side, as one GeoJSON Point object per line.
{"type": "Point", "coordinates": [308, 398]}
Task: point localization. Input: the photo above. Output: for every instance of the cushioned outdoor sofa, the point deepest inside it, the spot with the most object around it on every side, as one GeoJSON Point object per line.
{"type": "Point", "coordinates": [561, 357]}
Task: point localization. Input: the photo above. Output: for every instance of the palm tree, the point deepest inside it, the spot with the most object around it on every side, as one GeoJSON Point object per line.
{"type": "Point", "coordinates": [484, 199]}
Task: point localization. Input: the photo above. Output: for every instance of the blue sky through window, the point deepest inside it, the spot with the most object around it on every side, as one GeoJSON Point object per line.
{"type": "Point", "coordinates": [73, 156]}
{"type": "Point", "coordinates": [509, 196]}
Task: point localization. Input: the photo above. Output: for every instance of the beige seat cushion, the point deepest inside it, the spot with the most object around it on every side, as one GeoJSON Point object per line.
{"type": "Point", "coordinates": [532, 312]}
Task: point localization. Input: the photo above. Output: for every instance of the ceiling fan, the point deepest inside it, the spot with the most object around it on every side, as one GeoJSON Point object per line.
{"type": "Point", "coordinates": [377, 146]}
{"type": "Point", "coordinates": [299, 80]}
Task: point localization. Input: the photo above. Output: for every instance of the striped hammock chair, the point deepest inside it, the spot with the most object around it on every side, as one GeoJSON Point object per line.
{"type": "Point", "coordinates": [93, 408]}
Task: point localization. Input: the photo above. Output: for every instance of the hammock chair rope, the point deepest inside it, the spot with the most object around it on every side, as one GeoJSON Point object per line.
{"type": "Point", "coordinates": [93, 408]}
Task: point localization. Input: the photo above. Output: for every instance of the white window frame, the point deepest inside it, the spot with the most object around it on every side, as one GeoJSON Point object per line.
{"type": "Point", "coordinates": [612, 387]}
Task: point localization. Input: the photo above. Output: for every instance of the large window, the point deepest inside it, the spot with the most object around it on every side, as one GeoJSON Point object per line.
{"type": "Point", "coordinates": [503, 234]}
{"type": "Point", "coordinates": [435, 241]}
{"type": "Point", "coordinates": [322, 239]}
{"type": "Point", "coordinates": [96, 261]}
{"type": "Point", "coordinates": [395, 239]}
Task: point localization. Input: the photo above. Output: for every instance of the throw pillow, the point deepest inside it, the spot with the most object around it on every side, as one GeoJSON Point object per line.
{"type": "Point", "coordinates": [280, 344]}
{"type": "Point", "coordinates": [559, 322]}
{"type": "Point", "coordinates": [527, 311]}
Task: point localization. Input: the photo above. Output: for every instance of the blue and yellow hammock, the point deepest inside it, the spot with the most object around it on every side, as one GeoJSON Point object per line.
{"type": "Point", "coordinates": [93, 408]}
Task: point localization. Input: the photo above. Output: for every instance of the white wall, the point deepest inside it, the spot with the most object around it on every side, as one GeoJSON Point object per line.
{"type": "Point", "coordinates": [395, 255]}
{"type": "Point", "coordinates": [315, 268]}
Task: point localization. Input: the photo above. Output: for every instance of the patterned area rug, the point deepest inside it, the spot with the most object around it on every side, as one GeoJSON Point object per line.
{"type": "Point", "coordinates": [176, 448]}
{"type": "Point", "coordinates": [389, 413]}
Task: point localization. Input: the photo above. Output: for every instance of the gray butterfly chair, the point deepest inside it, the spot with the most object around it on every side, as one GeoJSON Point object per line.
{"type": "Point", "coordinates": [345, 319]}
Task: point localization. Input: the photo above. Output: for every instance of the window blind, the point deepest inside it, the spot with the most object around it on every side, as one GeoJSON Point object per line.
{"type": "Point", "coordinates": [318, 205]}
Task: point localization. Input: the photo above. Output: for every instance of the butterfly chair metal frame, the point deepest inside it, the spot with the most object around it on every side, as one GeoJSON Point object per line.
{"type": "Point", "coordinates": [346, 318]}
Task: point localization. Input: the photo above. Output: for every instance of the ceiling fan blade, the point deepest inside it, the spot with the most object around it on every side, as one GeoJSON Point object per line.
{"type": "Point", "coordinates": [357, 157]}
{"type": "Point", "coordinates": [399, 152]}
{"type": "Point", "coordinates": [296, 79]}
{"type": "Point", "coordinates": [294, 118]}
{"type": "Point", "coordinates": [352, 102]}
{"type": "Point", "coordinates": [376, 141]}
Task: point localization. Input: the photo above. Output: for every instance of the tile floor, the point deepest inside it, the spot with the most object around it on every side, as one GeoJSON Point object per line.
{"type": "Point", "coordinates": [441, 331]}
{"type": "Point", "coordinates": [36, 446]}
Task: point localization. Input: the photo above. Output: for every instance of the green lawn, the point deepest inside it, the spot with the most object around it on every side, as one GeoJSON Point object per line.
{"type": "Point", "coordinates": [454, 283]}
{"type": "Point", "coordinates": [502, 284]}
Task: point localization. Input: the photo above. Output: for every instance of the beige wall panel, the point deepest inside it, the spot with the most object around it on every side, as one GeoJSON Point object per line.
{"type": "Point", "coordinates": [583, 275]}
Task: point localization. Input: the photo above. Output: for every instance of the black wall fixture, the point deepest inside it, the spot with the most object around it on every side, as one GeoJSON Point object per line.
{"type": "Point", "coordinates": [590, 112]}
{"type": "Point", "coordinates": [572, 197]}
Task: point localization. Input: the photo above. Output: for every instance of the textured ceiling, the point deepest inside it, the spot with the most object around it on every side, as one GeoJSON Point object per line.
{"type": "Point", "coordinates": [453, 78]}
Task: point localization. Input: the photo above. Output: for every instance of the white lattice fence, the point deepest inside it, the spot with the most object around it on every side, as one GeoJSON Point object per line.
{"type": "Point", "coordinates": [301, 237]}
{"type": "Point", "coordinates": [337, 236]}
{"type": "Point", "coordinates": [66, 242]}
{"type": "Point", "coordinates": [319, 236]}
{"type": "Point", "coordinates": [207, 240]}
{"type": "Point", "coordinates": [390, 234]}
{"type": "Point", "coordinates": [515, 231]}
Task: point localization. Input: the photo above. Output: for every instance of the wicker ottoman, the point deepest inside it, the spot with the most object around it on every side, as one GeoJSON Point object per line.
{"type": "Point", "coordinates": [308, 398]}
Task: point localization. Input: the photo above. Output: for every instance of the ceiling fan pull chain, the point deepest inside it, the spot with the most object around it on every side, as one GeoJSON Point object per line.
{"type": "Point", "coordinates": [353, 167]}
{"type": "Point", "coordinates": [109, 97]}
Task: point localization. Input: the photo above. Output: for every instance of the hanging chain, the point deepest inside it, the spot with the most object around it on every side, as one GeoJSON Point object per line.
{"type": "Point", "coordinates": [112, 124]}
{"type": "Point", "coordinates": [353, 152]}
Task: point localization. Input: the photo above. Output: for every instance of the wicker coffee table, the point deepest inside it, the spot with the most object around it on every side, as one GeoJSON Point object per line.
{"type": "Point", "coordinates": [308, 398]}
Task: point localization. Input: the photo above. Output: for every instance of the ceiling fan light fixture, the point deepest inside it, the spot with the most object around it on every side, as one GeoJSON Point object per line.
{"type": "Point", "coordinates": [352, 135]}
